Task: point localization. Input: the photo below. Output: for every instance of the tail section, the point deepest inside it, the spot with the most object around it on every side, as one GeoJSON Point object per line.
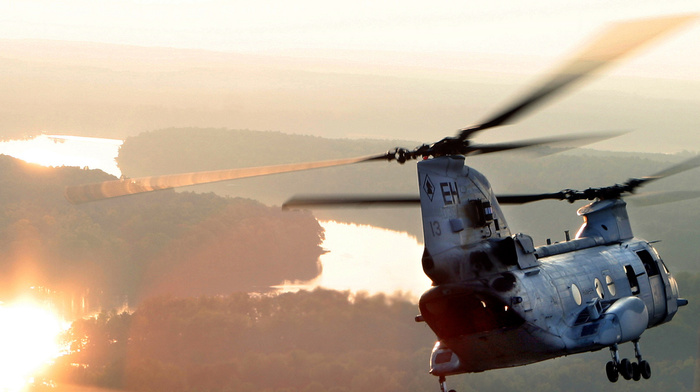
{"type": "Point", "coordinates": [462, 220]}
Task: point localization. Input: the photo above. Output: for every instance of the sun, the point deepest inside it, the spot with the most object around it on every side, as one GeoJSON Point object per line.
{"type": "Point", "coordinates": [28, 339]}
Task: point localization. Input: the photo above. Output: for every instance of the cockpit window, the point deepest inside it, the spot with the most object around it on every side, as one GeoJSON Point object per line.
{"type": "Point", "coordinates": [632, 277]}
{"type": "Point", "coordinates": [665, 268]}
{"type": "Point", "coordinates": [649, 262]}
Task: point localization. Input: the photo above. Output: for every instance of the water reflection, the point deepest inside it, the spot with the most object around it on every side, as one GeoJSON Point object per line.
{"type": "Point", "coordinates": [61, 150]}
{"type": "Point", "coordinates": [372, 259]}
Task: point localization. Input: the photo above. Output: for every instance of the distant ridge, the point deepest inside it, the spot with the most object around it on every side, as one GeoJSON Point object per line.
{"type": "Point", "coordinates": [115, 91]}
{"type": "Point", "coordinates": [189, 149]}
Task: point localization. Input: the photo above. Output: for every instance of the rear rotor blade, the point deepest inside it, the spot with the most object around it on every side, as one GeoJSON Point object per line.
{"type": "Point", "coordinates": [614, 43]}
{"type": "Point", "coordinates": [559, 143]}
{"type": "Point", "coordinates": [108, 189]}
{"type": "Point", "coordinates": [396, 200]}
{"type": "Point", "coordinates": [349, 201]}
{"type": "Point", "coordinates": [523, 199]}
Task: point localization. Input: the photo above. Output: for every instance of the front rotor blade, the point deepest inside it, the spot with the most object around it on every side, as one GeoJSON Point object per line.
{"type": "Point", "coordinates": [108, 189]}
{"type": "Point", "coordinates": [523, 199]}
{"type": "Point", "coordinates": [633, 183]}
{"type": "Point", "coordinates": [688, 164]}
{"type": "Point", "coordinates": [618, 40]}
{"type": "Point", "coordinates": [654, 198]}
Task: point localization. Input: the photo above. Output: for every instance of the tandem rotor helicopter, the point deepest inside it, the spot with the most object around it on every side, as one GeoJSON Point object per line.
{"type": "Point", "coordinates": [496, 300]}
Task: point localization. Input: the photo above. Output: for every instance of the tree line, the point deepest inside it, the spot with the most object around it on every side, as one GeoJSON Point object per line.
{"type": "Point", "coordinates": [187, 262]}
{"type": "Point", "coordinates": [326, 340]}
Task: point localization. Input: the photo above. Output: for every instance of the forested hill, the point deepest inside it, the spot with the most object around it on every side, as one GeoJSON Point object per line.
{"type": "Point", "coordinates": [165, 243]}
{"type": "Point", "coordinates": [189, 149]}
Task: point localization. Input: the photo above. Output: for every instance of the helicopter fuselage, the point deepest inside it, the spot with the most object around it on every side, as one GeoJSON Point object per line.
{"type": "Point", "coordinates": [498, 301]}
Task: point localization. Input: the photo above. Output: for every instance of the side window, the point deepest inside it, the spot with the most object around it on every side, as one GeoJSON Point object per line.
{"type": "Point", "coordinates": [599, 288]}
{"type": "Point", "coordinates": [576, 294]}
{"type": "Point", "coordinates": [611, 285]}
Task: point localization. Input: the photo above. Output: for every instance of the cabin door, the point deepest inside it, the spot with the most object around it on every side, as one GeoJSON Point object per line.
{"type": "Point", "coordinates": [656, 283]}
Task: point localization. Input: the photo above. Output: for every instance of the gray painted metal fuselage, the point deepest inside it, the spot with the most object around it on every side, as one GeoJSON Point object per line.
{"type": "Point", "coordinates": [498, 301]}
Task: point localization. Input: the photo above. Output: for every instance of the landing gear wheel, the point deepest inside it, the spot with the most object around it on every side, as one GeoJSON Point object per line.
{"type": "Point", "coordinates": [443, 385]}
{"type": "Point", "coordinates": [625, 369]}
{"type": "Point", "coordinates": [635, 371]}
{"type": "Point", "coordinates": [645, 369]}
{"type": "Point", "coordinates": [611, 371]}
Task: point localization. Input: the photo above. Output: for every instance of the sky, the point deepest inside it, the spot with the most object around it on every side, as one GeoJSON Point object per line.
{"type": "Point", "coordinates": [508, 42]}
{"type": "Point", "coordinates": [437, 29]}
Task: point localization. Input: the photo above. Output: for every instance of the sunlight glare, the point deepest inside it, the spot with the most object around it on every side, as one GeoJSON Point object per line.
{"type": "Point", "coordinates": [28, 339]}
{"type": "Point", "coordinates": [60, 150]}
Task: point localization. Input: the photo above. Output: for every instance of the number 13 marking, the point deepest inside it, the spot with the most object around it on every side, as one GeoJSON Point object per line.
{"type": "Point", "coordinates": [435, 228]}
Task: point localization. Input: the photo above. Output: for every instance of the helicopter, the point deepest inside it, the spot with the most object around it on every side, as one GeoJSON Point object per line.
{"type": "Point", "coordinates": [496, 299]}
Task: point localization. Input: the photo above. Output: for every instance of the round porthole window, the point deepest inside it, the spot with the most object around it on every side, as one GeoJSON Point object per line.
{"type": "Point", "coordinates": [599, 288]}
{"type": "Point", "coordinates": [576, 293]}
{"type": "Point", "coordinates": [611, 284]}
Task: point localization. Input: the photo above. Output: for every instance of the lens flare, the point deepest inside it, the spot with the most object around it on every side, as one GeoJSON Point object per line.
{"type": "Point", "coordinates": [28, 339]}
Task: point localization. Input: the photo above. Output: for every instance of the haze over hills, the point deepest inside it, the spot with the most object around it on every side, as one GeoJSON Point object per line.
{"type": "Point", "coordinates": [117, 91]}
{"type": "Point", "coordinates": [321, 340]}
{"type": "Point", "coordinates": [120, 91]}
{"type": "Point", "coordinates": [94, 99]}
